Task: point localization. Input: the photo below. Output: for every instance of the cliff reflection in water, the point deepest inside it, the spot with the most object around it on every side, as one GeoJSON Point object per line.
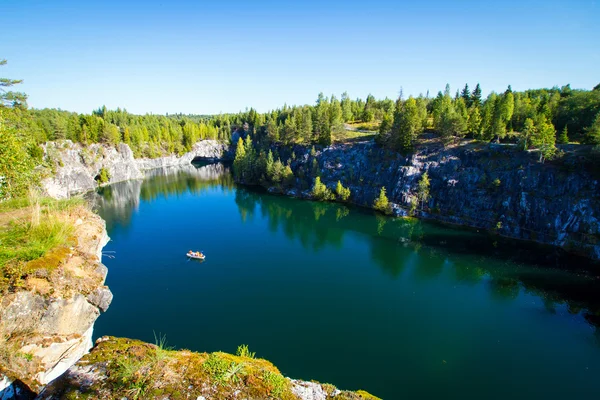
{"type": "Point", "coordinates": [400, 247]}
{"type": "Point", "coordinates": [425, 250]}
{"type": "Point", "coordinates": [117, 202]}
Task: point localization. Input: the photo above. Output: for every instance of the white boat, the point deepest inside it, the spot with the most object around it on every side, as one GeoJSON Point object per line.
{"type": "Point", "coordinates": [197, 255]}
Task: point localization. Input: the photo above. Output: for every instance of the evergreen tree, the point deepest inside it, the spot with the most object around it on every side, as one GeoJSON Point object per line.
{"type": "Point", "coordinates": [476, 96]}
{"type": "Point", "coordinates": [240, 158]}
{"type": "Point", "coordinates": [544, 138]}
{"type": "Point", "coordinates": [346, 107]}
{"type": "Point", "coordinates": [528, 132]}
{"type": "Point", "coordinates": [592, 134]}
{"type": "Point", "coordinates": [423, 189]}
{"type": "Point", "coordinates": [407, 125]}
{"type": "Point", "coordinates": [386, 124]}
{"type": "Point", "coordinates": [382, 203]}
{"type": "Point", "coordinates": [474, 124]}
{"type": "Point", "coordinates": [563, 138]}
{"type": "Point", "coordinates": [466, 95]}
{"type": "Point", "coordinates": [10, 98]}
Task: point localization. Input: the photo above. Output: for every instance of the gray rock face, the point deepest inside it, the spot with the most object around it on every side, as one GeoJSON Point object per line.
{"type": "Point", "coordinates": [484, 186]}
{"type": "Point", "coordinates": [77, 167]}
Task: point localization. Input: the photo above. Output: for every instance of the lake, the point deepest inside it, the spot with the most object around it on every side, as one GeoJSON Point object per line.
{"type": "Point", "coordinates": [398, 307]}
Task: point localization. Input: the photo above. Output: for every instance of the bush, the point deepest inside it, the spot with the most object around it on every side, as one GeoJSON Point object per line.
{"type": "Point", "coordinates": [342, 192]}
{"type": "Point", "coordinates": [103, 176]}
{"type": "Point", "coordinates": [382, 203]}
{"type": "Point", "coordinates": [320, 191]}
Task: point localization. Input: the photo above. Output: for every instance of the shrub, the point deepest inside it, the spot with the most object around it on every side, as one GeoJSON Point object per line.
{"type": "Point", "coordinates": [342, 192]}
{"type": "Point", "coordinates": [103, 176]}
{"type": "Point", "coordinates": [320, 191]}
{"type": "Point", "coordinates": [382, 203]}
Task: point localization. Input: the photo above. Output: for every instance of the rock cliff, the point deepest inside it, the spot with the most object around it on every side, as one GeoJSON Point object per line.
{"type": "Point", "coordinates": [486, 186]}
{"type": "Point", "coordinates": [76, 169]}
{"type": "Point", "coordinates": [47, 325]}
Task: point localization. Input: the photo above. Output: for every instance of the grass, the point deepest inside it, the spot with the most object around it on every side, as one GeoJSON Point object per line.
{"type": "Point", "coordinates": [243, 351]}
{"type": "Point", "coordinates": [348, 136]}
{"type": "Point", "coordinates": [33, 235]}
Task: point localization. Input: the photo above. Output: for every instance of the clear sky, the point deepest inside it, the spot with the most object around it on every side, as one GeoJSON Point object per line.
{"type": "Point", "coordinates": [223, 56]}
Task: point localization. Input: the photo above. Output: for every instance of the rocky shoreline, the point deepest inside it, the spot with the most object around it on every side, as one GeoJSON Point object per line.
{"type": "Point", "coordinates": [497, 188]}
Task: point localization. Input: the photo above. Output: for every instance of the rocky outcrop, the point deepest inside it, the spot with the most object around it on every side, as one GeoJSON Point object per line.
{"type": "Point", "coordinates": [46, 326]}
{"type": "Point", "coordinates": [76, 168]}
{"type": "Point", "coordinates": [488, 186]}
{"type": "Point", "coordinates": [119, 367]}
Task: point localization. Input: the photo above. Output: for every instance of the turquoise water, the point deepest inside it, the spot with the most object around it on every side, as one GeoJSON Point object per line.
{"type": "Point", "coordinates": [402, 309]}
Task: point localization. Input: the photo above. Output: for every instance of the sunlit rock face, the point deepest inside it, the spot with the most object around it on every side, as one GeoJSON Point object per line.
{"type": "Point", "coordinates": [487, 186]}
{"type": "Point", "coordinates": [47, 325]}
{"type": "Point", "coordinates": [76, 168]}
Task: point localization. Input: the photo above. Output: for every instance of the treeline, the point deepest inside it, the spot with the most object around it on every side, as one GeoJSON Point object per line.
{"type": "Point", "coordinates": [534, 118]}
{"type": "Point", "coordinates": [147, 135]}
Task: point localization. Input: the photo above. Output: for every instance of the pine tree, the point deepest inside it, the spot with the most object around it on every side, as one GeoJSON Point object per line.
{"type": "Point", "coordinates": [476, 96]}
{"type": "Point", "coordinates": [407, 125]}
{"type": "Point", "coordinates": [544, 138]}
{"type": "Point", "coordinates": [527, 134]}
{"type": "Point", "coordinates": [563, 138]}
{"type": "Point", "coordinates": [9, 98]}
{"type": "Point", "coordinates": [269, 166]}
{"type": "Point", "coordinates": [288, 176]}
{"type": "Point", "coordinates": [592, 133]}
{"type": "Point", "coordinates": [466, 95]}
{"type": "Point", "coordinates": [474, 125]}
{"type": "Point", "coordinates": [382, 203]}
{"type": "Point", "coordinates": [240, 159]}
{"type": "Point", "coordinates": [423, 189]}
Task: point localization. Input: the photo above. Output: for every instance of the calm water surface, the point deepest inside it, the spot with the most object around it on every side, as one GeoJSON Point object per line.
{"type": "Point", "coordinates": [402, 309]}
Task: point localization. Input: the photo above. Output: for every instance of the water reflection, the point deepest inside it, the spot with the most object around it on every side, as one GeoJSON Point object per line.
{"type": "Point", "coordinates": [421, 250]}
{"type": "Point", "coordinates": [116, 203]}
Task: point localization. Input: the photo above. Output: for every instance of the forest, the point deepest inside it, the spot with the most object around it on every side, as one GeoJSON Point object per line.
{"type": "Point", "coordinates": [537, 119]}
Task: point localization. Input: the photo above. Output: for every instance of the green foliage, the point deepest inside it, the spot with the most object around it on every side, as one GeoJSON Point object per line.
{"type": "Point", "coordinates": [423, 189]}
{"type": "Point", "coordinates": [162, 350]}
{"type": "Point", "coordinates": [342, 192]}
{"type": "Point", "coordinates": [216, 367]}
{"type": "Point", "coordinates": [563, 137]}
{"type": "Point", "coordinates": [544, 138]}
{"type": "Point", "coordinates": [593, 132]}
{"type": "Point", "coordinates": [382, 203]}
{"type": "Point", "coordinates": [276, 383]}
{"type": "Point", "coordinates": [407, 125]}
{"type": "Point", "coordinates": [130, 375]}
{"type": "Point", "coordinates": [16, 163]}
{"type": "Point", "coordinates": [103, 176]}
{"type": "Point", "coordinates": [10, 98]}
{"type": "Point", "coordinates": [243, 351]}
{"type": "Point", "coordinates": [320, 191]}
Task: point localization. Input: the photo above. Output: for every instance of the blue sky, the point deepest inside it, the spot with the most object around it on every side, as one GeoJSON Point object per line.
{"type": "Point", "coordinates": [210, 57]}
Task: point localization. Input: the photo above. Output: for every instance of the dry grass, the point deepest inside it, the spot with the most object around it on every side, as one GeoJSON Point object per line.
{"type": "Point", "coordinates": [34, 234]}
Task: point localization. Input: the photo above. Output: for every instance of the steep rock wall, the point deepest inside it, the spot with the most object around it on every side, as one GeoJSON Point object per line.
{"type": "Point", "coordinates": [75, 167]}
{"type": "Point", "coordinates": [494, 187]}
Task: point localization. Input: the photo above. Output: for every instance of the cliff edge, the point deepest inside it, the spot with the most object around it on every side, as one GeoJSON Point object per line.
{"type": "Point", "coordinates": [48, 313]}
